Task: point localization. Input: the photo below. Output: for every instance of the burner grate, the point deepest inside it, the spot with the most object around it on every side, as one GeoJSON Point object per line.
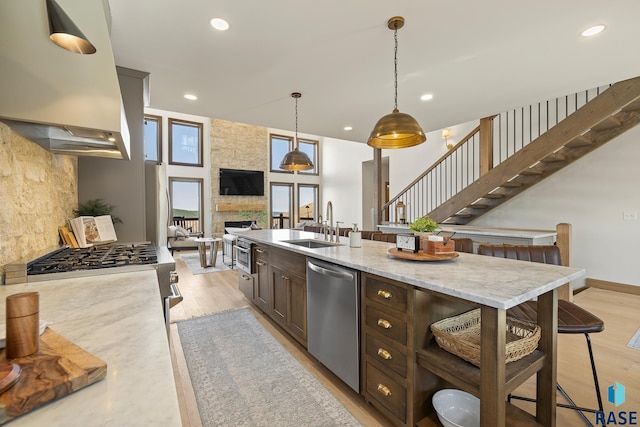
{"type": "Point", "coordinates": [95, 257]}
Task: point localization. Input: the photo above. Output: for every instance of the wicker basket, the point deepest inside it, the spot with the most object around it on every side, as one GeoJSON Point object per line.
{"type": "Point", "coordinates": [460, 335]}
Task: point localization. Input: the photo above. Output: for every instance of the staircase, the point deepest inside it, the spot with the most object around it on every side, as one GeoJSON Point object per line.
{"type": "Point", "coordinates": [508, 153]}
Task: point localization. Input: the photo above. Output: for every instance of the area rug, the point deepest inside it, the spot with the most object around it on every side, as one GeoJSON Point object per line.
{"type": "Point", "coordinates": [634, 342]}
{"type": "Point", "coordinates": [193, 262]}
{"type": "Point", "coordinates": [242, 376]}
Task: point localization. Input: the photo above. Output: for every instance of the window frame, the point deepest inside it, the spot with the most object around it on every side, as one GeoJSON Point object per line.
{"type": "Point", "coordinates": [314, 160]}
{"type": "Point", "coordinates": [200, 181]}
{"type": "Point", "coordinates": [158, 120]}
{"type": "Point", "coordinates": [316, 202]}
{"type": "Point", "coordinates": [200, 127]}
{"type": "Point", "coordinates": [271, 136]}
{"type": "Point", "coordinates": [291, 201]}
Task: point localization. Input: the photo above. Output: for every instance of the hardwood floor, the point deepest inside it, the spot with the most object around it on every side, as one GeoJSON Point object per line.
{"type": "Point", "coordinates": [216, 292]}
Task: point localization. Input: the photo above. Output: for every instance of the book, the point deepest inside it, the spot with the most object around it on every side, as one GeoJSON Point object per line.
{"type": "Point", "coordinates": [93, 230]}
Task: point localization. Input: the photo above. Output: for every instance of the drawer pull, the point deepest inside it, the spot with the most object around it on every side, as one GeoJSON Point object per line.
{"type": "Point", "coordinates": [285, 277]}
{"type": "Point", "coordinates": [260, 251]}
{"type": "Point", "coordinates": [245, 277]}
{"type": "Point", "coordinates": [384, 323]}
{"type": "Point", "coordinates": [261, 263]}
{"type": "Point", "coordinates": [384, 390]}
{"type": "Point", "coordinates": [384, 294]}
{"type": "Point", "coordinates": [384, 354]}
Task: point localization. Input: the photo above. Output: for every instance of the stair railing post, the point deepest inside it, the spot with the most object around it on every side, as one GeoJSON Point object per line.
{"type": "Point", "coordinates": [486, 145]}
{"type": "Point", "coordinates": [563, 242]}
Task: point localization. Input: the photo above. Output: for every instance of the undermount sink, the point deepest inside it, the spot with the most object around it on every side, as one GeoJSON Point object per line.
{"type": "Point", "coordinates": [311, 243]}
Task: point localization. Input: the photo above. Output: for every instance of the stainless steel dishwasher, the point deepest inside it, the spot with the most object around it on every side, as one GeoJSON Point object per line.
{"type": "Point", "coordinates": [333, 337]}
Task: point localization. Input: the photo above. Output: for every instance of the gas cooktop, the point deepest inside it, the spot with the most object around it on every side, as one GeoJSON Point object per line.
{"type": "Point", "coordinates": [96, 257]}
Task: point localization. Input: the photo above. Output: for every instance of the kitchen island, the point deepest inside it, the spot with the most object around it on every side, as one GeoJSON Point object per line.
{"type": "Point", "coordinates": [117, 318]}
{"type": "Point", "coordinates": [411, 296]}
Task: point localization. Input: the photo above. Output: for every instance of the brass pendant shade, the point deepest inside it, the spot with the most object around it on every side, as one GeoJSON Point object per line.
{"type": "Point", "coordinates": [64, 33]}
{"type": "Point", "coordinates": [396, 130]}
{"type": "Point", "coordinates": [296, 160]}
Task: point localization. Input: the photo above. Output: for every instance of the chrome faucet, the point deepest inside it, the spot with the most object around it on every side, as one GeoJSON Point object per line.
{"type": "Point", "coordinates": [329, 221]}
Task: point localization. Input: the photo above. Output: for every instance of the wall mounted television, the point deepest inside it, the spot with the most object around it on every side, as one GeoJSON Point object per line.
{"type": "Point", "coordinates": [236, 182]}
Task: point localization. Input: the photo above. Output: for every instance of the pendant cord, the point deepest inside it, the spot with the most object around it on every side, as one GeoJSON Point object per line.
{"type": "Point", "coordinates": [395, 66]}
{"type": "Point", "coordinates": [295, 142]}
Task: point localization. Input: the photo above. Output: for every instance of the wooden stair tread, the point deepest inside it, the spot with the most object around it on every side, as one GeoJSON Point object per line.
{"type": "Point", "coordinates": [607, 123]}
{"type": "Point", "coordinates": [554, 157]}
{"type": "Point", "coordinates": [536, 170]}
{"type": "Point", "coordinates": [512, 184]}
{"type": "Point", "coordinates": [634, 106]}
{"type": "Point", "coordinates": [494, 196]}
{"type": "Point", "coordinates": [579, 141]}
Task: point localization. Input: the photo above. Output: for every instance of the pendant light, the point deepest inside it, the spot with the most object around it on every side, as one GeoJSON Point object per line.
{"type": "Point", "coordinates": [396, 130]}
{"type": "Point", "coordinates": [296, 160]}
{"type": "Point", "coordinates": [64, 33]}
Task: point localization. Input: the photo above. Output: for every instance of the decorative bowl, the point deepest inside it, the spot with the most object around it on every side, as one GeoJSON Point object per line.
{"type": "Point", "coordinates": [456, 408]}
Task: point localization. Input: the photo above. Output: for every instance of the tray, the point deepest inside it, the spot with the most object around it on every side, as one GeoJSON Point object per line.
{"type": "Point", "coordinates": [421, 256]}
{"type": "Point", "coordinates": [58, 369]}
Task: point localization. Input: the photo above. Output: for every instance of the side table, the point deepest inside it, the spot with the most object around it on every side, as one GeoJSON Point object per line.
{"type": "Point", "coordinates": [213, 250]}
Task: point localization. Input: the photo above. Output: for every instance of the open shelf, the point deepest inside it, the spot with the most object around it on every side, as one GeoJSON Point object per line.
{"type": "Point", "coordinates": [515, 417]}
{"type": "Point", "coordinates": [466, 376]}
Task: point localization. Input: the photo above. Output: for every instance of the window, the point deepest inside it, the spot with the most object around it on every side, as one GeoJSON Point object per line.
{"type": "Point", "coordinates": [308, 202]}
{"type": "Point", "coordinates": [186, 202]}
{"type": "Point", "coordinates": [280, 145]}
{"type": "Point", "coordinates": [310, 148]}
{"type": "Point", "coordinates": [185, 143]}
{"type": "Point", "coordinates": [281, 205]}
{"type": "Point", "coordinates": [153, 138]}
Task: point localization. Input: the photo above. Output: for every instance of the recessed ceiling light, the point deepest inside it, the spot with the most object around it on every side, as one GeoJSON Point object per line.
{"type": "Point", "coordinates": [220, 24]}
{"type": "Point", "coordinates": [592, 31]}
{"type": "Point", "coordinates": [348, 128]}
{"type": "Point", "coordinates": [190, 97]}
{"type": "Point", "coordinates": [427, 97]}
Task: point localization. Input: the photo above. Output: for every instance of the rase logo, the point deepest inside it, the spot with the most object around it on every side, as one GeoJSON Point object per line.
{"type": "Point", "coordinates": [616, 395]}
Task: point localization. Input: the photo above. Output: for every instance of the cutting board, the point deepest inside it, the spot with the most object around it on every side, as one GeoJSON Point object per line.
{"type": "Point", "coordinates": [59, 368]}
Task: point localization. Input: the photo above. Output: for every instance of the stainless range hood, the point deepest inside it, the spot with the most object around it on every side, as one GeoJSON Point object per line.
{"type": "Point", "coordinates": [66, 102]}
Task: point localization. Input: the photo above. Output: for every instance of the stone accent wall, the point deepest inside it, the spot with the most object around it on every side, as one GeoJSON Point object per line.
{"type": "Point", "coordinates": [38, 192]}
{"type": "Point", "coordinates": [236, 146]}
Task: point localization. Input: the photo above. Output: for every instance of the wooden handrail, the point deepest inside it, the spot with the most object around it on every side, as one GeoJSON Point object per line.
{"type": "Point", "coordinates": [433, 166]}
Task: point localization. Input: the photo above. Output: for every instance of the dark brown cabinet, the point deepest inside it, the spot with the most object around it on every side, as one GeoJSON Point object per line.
{"type": "Point", "coordinates": [279, 288]}
{"type": "Point", "coordinates": [261, 267]}
{"type": "Point", "coordinates": [246, 284]}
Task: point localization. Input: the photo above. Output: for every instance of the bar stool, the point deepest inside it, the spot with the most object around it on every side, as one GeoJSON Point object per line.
{"type": "Point", "coordinates": [572, 319]}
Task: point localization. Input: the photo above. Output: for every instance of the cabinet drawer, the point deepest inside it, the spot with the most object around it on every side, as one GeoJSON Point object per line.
{"type": "Point", "coordinates": [246, 285]}
{"type": "Point", "coordinates": [389, 354]}
{"type": "Point", "coordinates": [387, 324]}
{"type": "Point", "coordinates": [386, 293]}
{"type": "Point", "coordinates": [260, 253]}
{"type": "Point", "coordinates": [386, 391]}
{"type": "Point", "coordinates": [289, 261]}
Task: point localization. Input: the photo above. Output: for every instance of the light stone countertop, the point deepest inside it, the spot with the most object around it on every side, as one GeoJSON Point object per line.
{"type": "Point", "coordinates": [117, 318]}
{"type": "Point", "coordinates": [494, 282]}
{"type": "Point", "coordinates": [480, 231]}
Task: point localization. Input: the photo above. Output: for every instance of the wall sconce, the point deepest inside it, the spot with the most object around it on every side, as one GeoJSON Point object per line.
{"type": "Point", "coordinates": [445, 135]}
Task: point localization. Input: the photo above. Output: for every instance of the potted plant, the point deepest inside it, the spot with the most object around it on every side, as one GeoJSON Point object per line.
{"type": "Point", "coordinates": [423, 227]}
{"type": "Point", "coordinates": [96, 207]}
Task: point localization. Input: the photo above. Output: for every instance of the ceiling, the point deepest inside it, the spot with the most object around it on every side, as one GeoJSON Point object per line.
{"type": "Point", "coordinates": [476, 58]}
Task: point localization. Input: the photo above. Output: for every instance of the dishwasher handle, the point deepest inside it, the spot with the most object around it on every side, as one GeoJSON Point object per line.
{"type": "Point", "coordinates": [328, 272]}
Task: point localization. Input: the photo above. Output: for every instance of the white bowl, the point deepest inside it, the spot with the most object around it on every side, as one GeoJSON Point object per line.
{"type": "Point", "coordinates": [457, 408]}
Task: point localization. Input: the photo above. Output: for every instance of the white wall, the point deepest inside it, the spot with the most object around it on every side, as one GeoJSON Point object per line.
{"type": "Point", "coordinates": [591, 194]}
{"type": "Point", "coordinates": [342, 179]}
